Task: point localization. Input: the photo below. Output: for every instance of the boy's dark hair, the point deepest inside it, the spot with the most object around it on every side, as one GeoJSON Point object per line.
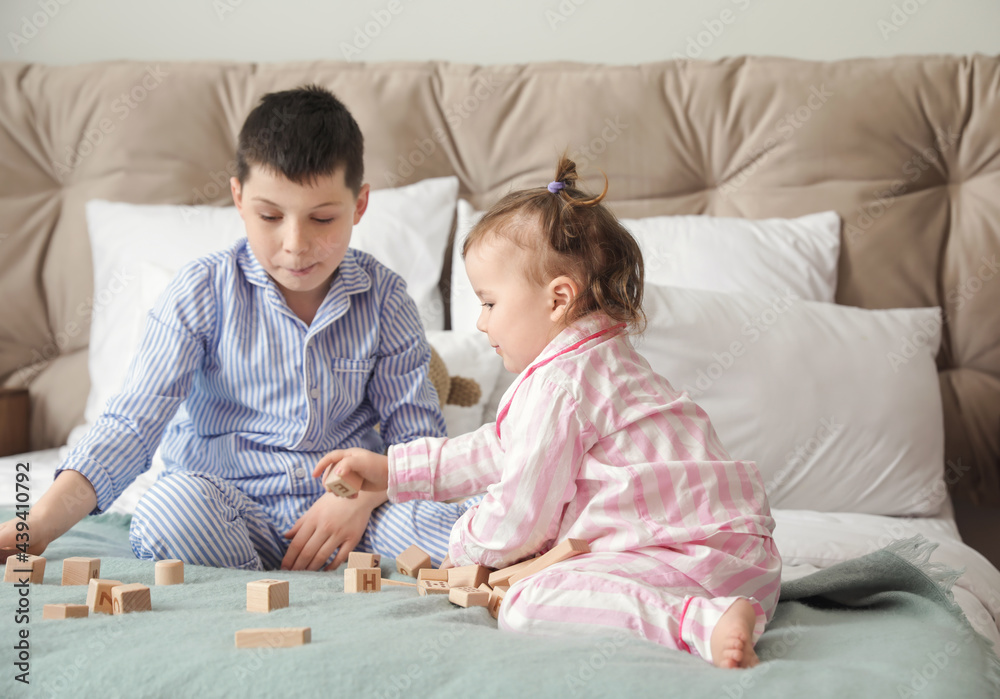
{"type": "Point", "coordinates": [572, 233]}
{"type": "Point", "coordinates": [303, 134]}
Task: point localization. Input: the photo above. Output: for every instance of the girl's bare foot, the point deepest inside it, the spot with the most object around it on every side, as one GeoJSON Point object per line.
{"type": "Point", "coordinates": [732, 644]}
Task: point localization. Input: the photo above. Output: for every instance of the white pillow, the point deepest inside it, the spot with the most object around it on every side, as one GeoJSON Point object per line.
{"type": "Point", "coordinates": [839, 406]}
{"type": "Point", "coordinates": [704, 252]}
{"type": "Point", "coordinates": [469, 355]}
{"type": "Point", "coordinates": [406, 229]}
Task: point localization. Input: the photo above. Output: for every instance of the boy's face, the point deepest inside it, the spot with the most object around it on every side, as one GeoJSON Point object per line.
{"type": "Point", "coordinates": [299, 232]}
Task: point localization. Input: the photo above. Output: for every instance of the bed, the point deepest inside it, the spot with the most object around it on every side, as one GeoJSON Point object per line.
{"type": "Point", "coordinates": [820, 242]}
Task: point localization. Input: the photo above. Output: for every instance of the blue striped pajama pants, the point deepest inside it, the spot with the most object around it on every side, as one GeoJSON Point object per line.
{"type": "Point", "coordinates": [205, 520]}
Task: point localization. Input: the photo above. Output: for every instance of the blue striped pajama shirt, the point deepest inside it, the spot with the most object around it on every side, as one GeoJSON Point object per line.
{"type": "Point", "coordinates": [246, 398]}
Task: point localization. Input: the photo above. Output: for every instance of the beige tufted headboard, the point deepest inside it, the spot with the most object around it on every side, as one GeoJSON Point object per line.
{"type": "Point", "coordinates": [906, 149]}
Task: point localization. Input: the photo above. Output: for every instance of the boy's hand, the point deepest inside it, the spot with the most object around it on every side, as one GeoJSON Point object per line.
{"type": "Point", "coordinates": [331, 523]}
{"type": "Point", "coordinates": [34, 536]}
{"type": "Point", "coordinates": [372, 467]}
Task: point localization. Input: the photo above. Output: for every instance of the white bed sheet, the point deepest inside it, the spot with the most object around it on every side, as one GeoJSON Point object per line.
{"type": "Point", "coordinates": [808, 540]}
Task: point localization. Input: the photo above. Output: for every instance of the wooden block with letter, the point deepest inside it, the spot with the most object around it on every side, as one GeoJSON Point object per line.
{"type": "Point", "coordinates": [64, 611]}
{"type": "Point", "coordinates": [32, 569]}
{"type": "Point", "coordinates": [80, 571]}
{"type": "Point", "coordinates": [344, 486]}
{"type": "Point", "coordinates": [563, 551]}
{"type": "Point", "coordinates": [496, 600]}
{"type": "Point", "coordinates": [130, 598]}
{"type": "Point", "coordinates": [468, 576]}
{"type": "Point", "coordinates": [467, 596]}
{"type": "Point", "coordinates": [273, 638]}
{"type": "Point", "coordinates": [363, 580]}
{"type": "Point", "coordinates": [503, 576]}
{"type": "Point", "coordinates": [267, 595]}
{"type": "Point", "coordinates": [169, 572]}
{"type": "Point", "coordinates": [432, 587]}
{"type": "Point", "coordinates": [356, 559]}
{"type": "Point", "coordinates": [432, 574]}
{"type": "Point", "coordinates": [99, 595]}
{"type": "Point", "coordinates": [410, 561]}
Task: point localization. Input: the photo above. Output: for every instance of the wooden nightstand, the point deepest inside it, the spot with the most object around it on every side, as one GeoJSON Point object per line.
{"type": "Point", "coordinates": [15, 413]}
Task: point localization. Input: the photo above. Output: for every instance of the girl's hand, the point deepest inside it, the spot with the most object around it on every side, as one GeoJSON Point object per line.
{"type": "Point", "coordinates": [372, 467]}
{"type": "Point", "coordinates": [331, 523]}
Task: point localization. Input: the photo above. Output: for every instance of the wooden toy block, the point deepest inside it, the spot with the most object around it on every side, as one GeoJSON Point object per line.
{"type": "Point", "coordinates": [564, 550]}
{"type": "Point", "coordinates": [64, 611]}
{"type": "Point", "coordinates": [169, 572]}
{"type": "Point", "coordinates": [432, 574]}
{"type": "Point", "coordinates": [502, 576]}
{"type": "Point", "coordinates": [363, 580]}
{"type": "Point", "coordinates": [344, 486]}
{"type": "Point", "coordinates": [267, 595]}
{"type": "Point", "coordinates": [80, 571]}
{"type": "Point", "coordinates": [130, 598]}
{"type": "Point", "coordinates": [432, 587]}
{"type": "Point", "coordinates": [31, 570]}
{"type": "Point", "coordinates": [399, 583]}
{"type": "Point", "coordinates": [363, 560]}
{"type": "Point", "coordinates": [99, 595]}
{"type": "Point", "coordinates": [468, 576]}
{"type": "Point", "coordinates": [496, 600]}
{"type": "Point", "coordinates": [467, 596]}
{"type": "Point", "coordinates": [410, 561]}
{"type": "Point", "coordinates": [273, 638]}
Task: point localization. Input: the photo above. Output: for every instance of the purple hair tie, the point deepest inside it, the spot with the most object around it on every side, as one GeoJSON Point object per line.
{"type": "Point", "coordinates": [556, 186]}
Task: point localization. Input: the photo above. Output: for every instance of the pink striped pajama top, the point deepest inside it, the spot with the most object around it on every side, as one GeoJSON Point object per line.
{"type": "Point", "coordinates": [591, 444]}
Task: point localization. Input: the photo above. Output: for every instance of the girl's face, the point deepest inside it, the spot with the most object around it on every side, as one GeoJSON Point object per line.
{"type": "Point", "coordinates": [519, 316]}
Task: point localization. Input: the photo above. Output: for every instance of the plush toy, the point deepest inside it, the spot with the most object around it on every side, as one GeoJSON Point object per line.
{"type": "Point", "coordinates": [452, 390]}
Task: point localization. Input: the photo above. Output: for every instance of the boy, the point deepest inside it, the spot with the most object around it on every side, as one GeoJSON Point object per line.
{"type": "Point", "coordinates": [269, 354]}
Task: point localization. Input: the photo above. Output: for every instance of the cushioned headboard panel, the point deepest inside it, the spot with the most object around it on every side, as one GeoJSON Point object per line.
{"type": "Point", "coordinates": [906, 149]}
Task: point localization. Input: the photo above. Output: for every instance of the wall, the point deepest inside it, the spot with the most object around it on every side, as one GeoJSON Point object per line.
{"type": "Point", "coordinates": [74, 31]}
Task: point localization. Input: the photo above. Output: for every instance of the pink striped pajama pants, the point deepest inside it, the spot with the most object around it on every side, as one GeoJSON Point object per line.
{"type": "Point", "coordinates": [646, 594]}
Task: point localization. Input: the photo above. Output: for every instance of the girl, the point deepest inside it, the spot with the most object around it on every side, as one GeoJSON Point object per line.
{"type": "Point", "coordinates": [589, 443]}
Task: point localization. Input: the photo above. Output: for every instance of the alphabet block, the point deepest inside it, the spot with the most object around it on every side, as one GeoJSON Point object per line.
{"type": "Point", "coordinates": [565, 550]}
{"type": "Point", "coordinates": [344, 486]}
{"type": "Point", "coordinates": [363, 560]}
{"type": "Point", "coordinates": [32, 570]}
{"type": "Point", "coordinates": [273, 638]}
{"type": "Point", "coordinates": [468, 576]}
{"type": "Point", "coordinates": [412, 560]}
{"type": "Point", "coordinates": [496, 600]}
{"type": "Point", "coordinates": [64, 611]}
{"type": "Point", "coordinates": [130, 598]}
{"type": "Point", "coordinates": [267, 595]}
{"type": "Point", "coordinates": [99, 595]}
{"type": "Point", "coordinates": [432, 587]}
{"type": "Point", "coordinates": [169, 572]}
{"type": "Point", "coordinates": [432, 574]}
{"type": "Point", "coordinates": [80, 571]}
{"type": "Point", "coordinates": [468, 597]}
{"type": "Point", "coordinates": [363, 580]}
{"type": "Point", "coordinates": [502, 576]}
